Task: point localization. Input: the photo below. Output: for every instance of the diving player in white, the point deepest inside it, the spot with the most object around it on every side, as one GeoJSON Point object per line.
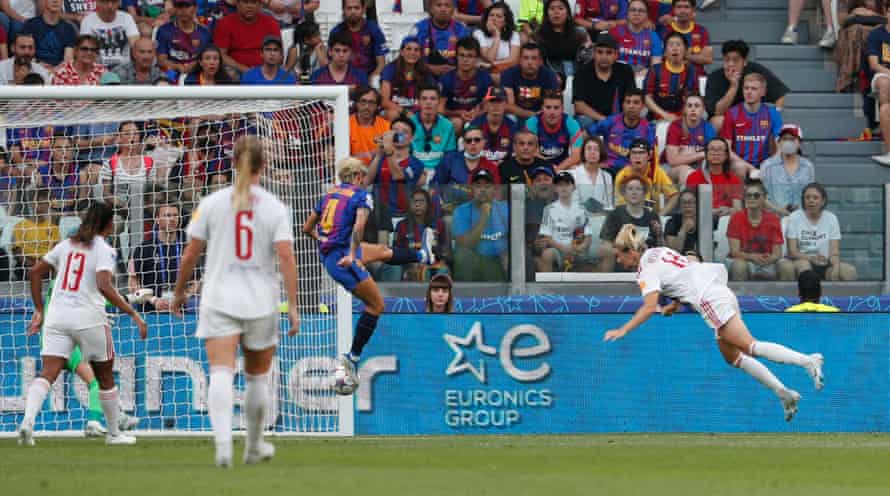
{"type": "Point", "coordinates": [703, 286]}
{"type": "Point", "coordinates": [246, 230]}
{"type": "Point", "coordinates": [84, 266]}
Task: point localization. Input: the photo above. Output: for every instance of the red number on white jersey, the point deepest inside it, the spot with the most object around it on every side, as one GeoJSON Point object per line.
{"type": "Point", "coordinates": [243, 235]}
{"type": "Point", "coordinates": [73, 271]}
{"type": "Point", "coordinates": [674, 259]}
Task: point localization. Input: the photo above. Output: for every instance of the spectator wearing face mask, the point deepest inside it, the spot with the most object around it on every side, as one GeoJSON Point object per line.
{"type": "Point", "coordinates": [786, 173]}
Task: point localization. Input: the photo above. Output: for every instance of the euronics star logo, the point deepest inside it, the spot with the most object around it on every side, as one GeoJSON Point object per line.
{"type": "Point", "coordinates": [459, 363]}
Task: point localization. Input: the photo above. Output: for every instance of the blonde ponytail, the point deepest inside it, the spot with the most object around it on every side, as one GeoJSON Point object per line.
{"type": "Point", "coordinates": [249, 162]}
{"type": "Point", "coordinates": [629, 237]}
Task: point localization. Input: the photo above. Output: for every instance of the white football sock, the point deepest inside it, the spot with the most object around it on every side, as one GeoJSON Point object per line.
{"type": "Point", "coordinates": [111, 408]}
{"type": "Point", "coordinates": [34, 400]}
{"type": "Point", "coordinates": [256, 405]}
{"type": "Point", "coordinates": [219, 405]}
{"type": "Point", "coordinates": [778, 353]}
{"type": "Point", "coordinates": [763, 375]}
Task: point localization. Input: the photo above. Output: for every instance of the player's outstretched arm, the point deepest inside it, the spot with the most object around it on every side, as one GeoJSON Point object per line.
{"type": "Point", "coordinates": [35, 278]}
{"type": "Point", "coordinates": [287, 264]}
{"type": "Point", "coordinates": [650, 304]}
{"type": "Point", "coordinates": [103, 281]}
{"type": "Point", "coordinates": [190, 258]}
{"type": "Point", "coordinates": [309, 226]}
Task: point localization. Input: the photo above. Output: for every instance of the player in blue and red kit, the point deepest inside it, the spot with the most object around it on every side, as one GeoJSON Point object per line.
{"type": "Point", "coordinates": [620, 130]}
{"type": "Point", "coordinates": [638, 46]}
{"type": "Point", "coordinates": [337, 223]}
{"type": "Point", "coordinates": [752, 126]}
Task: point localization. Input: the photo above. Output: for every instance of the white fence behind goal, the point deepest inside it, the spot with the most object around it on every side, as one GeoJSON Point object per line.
{"type": "Point", "coordinates": [73, 145]}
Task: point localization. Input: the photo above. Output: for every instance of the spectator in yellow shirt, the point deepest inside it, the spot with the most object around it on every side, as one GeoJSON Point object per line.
{"type": "Point", "coordinates": [35, 237]}
{"type": "Point", "coordinates": [809, 288]}
{"type": "Point", "coordinates": [365, 125]}
{"type": "Point", "coordinates": [662, 192]}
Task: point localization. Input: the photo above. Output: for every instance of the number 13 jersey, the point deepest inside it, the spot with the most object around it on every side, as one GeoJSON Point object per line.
{"type": "Point", "coordinates": [240, 278]}
{"type": "Point", "coordinates": [666, 271]}
{"type": "Point", "coordinates": [76, 302]}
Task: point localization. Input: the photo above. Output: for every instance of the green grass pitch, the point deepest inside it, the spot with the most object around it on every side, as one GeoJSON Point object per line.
{"type": "Point", "coordinates": [620, 464]}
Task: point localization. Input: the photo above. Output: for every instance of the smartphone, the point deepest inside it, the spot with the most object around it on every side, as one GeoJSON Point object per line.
{"type": "Point", "coordinates": [399, 138]}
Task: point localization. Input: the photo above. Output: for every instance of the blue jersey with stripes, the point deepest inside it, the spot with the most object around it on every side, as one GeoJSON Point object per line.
{"type": "Point", "coordinates": [336, 213]}
{"type": "Point", "coordinates": [751, 133]}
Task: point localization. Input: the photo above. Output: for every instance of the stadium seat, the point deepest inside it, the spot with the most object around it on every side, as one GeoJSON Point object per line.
{"type": "Point", "coordinates": [287, 38]}
{"type": "Point", "coordinates": [514, 6]}
{"type": "Point", "coordinates": [395, 27]}
{"type": "Point", "coordinates": [68, 225]}
{"type": "Point", "coordinates": [721, 251]}
{"type": "Point", "coordinates": [567, 96]}
{"type": "Point", "coordinates": [6, 232]}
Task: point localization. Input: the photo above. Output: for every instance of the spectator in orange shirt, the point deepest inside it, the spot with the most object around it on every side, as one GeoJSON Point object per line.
{"type": "Point", "coordinates": [366, 126]}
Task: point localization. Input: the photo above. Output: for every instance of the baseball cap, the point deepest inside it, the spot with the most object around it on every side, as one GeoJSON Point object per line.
{"type": "Point", "coordinates": [272, 39]}
{"type": "Point", "coordinates": [496, 94]}
{"type": "Point", "coordinates": [640, 144]}
{"type": "Point", "coordinates": [605, 39]}
{"type": "Point", "coordinates": [564, 177]}
{"type": "Point", "coordinates": [480, 174]}
{"type": "Point", "coordinates": [792, 129]}
{"type": "Point", "coordinates": [109, 77]}
{"type": "Point", "coordinates": [540, 170]}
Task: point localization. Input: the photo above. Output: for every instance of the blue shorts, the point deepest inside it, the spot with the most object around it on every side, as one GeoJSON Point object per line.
{"type": "Point", "coordinates": [348, 277]}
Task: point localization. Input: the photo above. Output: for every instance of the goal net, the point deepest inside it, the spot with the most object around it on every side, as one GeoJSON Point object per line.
{"type": "Point", "coordinates": [153, 153]}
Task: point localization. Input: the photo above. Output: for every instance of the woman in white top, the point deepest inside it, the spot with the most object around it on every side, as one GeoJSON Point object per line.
{"type": "Point", "coordinates": [703, 286]}
{"type": "Point", "coordinates": [123, 178]}
{"type": "Point", "coordinates": [814, 237]}
{"type": "Point", "coordinates": [498, 39]}
{"type": "Point", "coordinates": [246, 230]}
{"type": "Point", "coordinates": [84, 266]}
{"type": "Point", "coordinates": [593, 185]}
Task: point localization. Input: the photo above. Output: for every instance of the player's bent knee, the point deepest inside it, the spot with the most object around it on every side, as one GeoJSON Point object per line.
{"type": "Point", "coordinates": [104, 373]}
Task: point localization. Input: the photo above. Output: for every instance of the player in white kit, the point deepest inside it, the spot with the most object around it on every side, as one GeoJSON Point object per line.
{"type": "Point", "coordinates": [84, 266]}
{"type": "Point", "coordinates": [246, 230]}
{"type": "Point", "coordinates": [703, 286]}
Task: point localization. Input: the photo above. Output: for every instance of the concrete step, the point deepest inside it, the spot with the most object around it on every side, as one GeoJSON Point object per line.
{"type": "Point", "coordinates": [852, 171]}
{"type": "Point", "coordinates": [804, 80]}
{"type": "Point", "coordinates": [843, 149]}
{"type": "Point", "coordinates": [814, 126]}
{"type": "Point", "coordinates": [754, 4]}
{"type": "Point", "coordinates": [772, 51]}
{"type": "Point", "coordinates": [802, 100]}
{"type": "Point", "coordinates": [760, 32]}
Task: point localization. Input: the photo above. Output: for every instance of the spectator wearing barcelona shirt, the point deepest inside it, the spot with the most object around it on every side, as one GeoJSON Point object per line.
{"type": "Point", "coordinates": [601, 15]}
{"type": "Point", "coordinates": [470, 11]}
{"type": "Point", "coordinates": [638, 46]}
{"type": "Point", "coordinates": [180, 40]}
{"type": "Point", "coordinates": [723, 85]}
{"type": "Point", "coordinates": [620, 130]}
{"type": "Point", "coordinates": [401, 79]}
{"type": "Point", "coordinates": [438, 35]}
{"type": "Point", "coordinates": [752, 127]}
{"type": "Point", "coordinates": [687, 138]}
{"type": "Point", "coordinates": [368, 43]}
{"type": "Point", "coordinates": [668, 83]}
{"type": "Point", "coordinates": [698, 40]}
{"type": "Point", "coordinates": [559, 135]}
{"type": "Point", "coordinates": [525, 84]}
{"type": "Point", "coordinates": [497, 129]}
{"type": "Point", "coordinates": [394, 172]}
{"type": "Point", "coordinates": [756, 240]}
{"type": "Point", "coordinates": [464, 88]}
{"type": "Point", "coordinates": [339, 70]}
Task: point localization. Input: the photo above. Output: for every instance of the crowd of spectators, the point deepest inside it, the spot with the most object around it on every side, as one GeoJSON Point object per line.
{"type": "Point", "coordinates": [471, 100]}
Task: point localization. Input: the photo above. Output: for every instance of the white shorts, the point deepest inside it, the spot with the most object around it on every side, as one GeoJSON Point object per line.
{"type": "Point", "coordinates": [874, 81]}
{"type": "Point", "coordinates": [256, 334]}
{"type": "Point", "coordinates": [717, 306]}
{"type": "Point", "coordinates": [95, 343]}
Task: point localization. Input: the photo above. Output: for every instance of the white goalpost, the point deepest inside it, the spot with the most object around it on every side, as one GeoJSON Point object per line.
{"type": "Point", "coordinates": [153, 152]}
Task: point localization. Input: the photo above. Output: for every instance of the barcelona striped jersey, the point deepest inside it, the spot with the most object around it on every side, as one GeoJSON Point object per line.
{"type": "Point", "coordinates": [751, 133]}
{"type": "Point", "coordinates": [637, 49]}
{"type": "Point", "coordinates": [336, 213]}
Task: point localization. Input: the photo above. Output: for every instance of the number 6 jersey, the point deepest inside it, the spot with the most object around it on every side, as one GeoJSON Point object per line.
{"type": "Point", "coordinates": [76, 302]}
{"type": "Point", "coordinates": [240, 279]}
{"type": "Point", "coordinates": [666, 271]}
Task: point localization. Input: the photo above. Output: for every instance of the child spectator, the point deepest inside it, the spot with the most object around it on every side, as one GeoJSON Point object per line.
{"type": "Point", "coordinates": [566, 233]}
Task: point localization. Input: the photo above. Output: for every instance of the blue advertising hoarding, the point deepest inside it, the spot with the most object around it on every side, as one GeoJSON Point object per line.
{"type": "Point", "coordinates": [505, 374]}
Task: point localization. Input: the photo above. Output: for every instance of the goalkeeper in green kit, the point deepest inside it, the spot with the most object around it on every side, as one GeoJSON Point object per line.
{"type": "Point", "coordinates": [76, 365]}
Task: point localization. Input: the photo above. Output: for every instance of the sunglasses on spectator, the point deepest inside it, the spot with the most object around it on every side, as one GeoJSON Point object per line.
{"type": "Point", "coordinates": [472, 140]}
{"type": "Point", "coordinates": [756, 195]}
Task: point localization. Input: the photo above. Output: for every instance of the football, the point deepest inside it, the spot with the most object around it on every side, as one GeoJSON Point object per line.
{"type": "Point", "coordinates": [343, 384]}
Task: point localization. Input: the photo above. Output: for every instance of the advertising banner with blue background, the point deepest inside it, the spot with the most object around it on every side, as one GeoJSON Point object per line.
{"type": "Point", "coordinates": [499, 373]}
